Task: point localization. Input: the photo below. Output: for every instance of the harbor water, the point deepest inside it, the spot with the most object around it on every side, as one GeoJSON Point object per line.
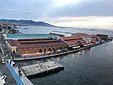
{"type": "Point", "coordinates": [93, 66]}
{"type": "Point", "coordinates": [65, 31]}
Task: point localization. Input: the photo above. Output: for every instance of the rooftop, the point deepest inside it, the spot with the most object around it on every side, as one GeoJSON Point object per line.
{"type": "Point", "coordinates": [35, 43]}
{"type": "Point", "coordinates": [73, 40]}
{"type": "Point", "coordinates": [28, 36]}
{"type": "Point", "coordinates": [81, 34]}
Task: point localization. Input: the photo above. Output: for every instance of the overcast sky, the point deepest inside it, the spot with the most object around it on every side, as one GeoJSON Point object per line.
{"type": "Point", "coordinates": [59, 12]}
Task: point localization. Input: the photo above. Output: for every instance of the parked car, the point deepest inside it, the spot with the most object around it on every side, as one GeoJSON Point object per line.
{"type": "Point", "coordinates": [2, 79]}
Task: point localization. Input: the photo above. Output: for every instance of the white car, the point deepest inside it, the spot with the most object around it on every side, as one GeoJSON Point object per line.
{"type": "Point", "coordinates": [2, 79]}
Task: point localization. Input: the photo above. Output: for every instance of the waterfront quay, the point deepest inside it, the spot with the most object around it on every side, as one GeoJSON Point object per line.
{"type": "Point", "coordinates": [49, 47]}
{"type": "Point", "coordinates": [54, 55]}
{"type": "Point", "coordinates": [20, 77]}
{"type": "Point", "coordinates": [9, 77]}
{"type": "Point", "coordinates": [32, 46]}
{"type": "Point", "coordinates": [8, 68]}
{"type": "Point", "coordinates": [3, 68]}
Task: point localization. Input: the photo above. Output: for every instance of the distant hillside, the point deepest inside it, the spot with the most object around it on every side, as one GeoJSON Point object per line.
{"type": "Point", "coordinates": [26, 22]}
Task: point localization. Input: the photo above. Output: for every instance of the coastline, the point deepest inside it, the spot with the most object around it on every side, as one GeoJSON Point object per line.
{"type": "Point", "coordinates": [58, 54]}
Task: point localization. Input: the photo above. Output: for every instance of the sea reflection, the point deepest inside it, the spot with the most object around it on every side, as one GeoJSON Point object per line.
{"type": "Point", "coordinates": [37, 61]}
{"type": "Point", "coordinates": [72, 56]}
{"type": "Point", "coordinates": [88, 50]}
{"type": "Point", "coordinates": [91, 49]}
{"type": "Point", "coordinates": [79, 53]}
{"type": "Point", "coordinates": [48, 60]}
{"type": "Point", "coordinates": [58, 59]}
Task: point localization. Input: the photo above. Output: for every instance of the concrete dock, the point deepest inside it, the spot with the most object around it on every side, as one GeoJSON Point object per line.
{"type": "Point", "coordinates": [41, 68]}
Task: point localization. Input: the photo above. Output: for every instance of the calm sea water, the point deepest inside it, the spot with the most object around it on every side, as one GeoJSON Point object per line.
{"type": "Point", "coordinates": [92, 66]}
{"type": "Point", "coordinates": [46, 30]}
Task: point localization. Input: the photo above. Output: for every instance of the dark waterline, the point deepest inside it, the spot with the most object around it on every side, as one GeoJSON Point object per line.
{"type": "Point", "coordinates": [92, 66]}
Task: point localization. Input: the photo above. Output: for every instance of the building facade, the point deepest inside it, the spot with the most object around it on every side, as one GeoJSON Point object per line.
{"type": "Point", "coordinates": [74, 41]}
{"type": "Point", "coordinates": [103, 37]}
{"type": "Point", "coordinates": [37, 46]}
{"type": "Point", "coordinates": [34, 44]}
{"type": "Point", "coordinates": [80, 39]}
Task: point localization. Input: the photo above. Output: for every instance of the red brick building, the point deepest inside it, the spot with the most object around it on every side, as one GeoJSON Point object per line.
{"type": "Point", "coordinates": [37, 46]}
{"type": "Point", "coordinates": [95, 38]}
{"type": "Point", "coordinates": [74, 41]}
{"type": "Point", "coordinates": [80, 39]}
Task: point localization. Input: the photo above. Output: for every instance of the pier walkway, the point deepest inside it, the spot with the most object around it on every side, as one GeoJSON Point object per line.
{"type": "Point", "coordinates": [21, 80]}
{"type": "Point", "coordinates": [41, 68]}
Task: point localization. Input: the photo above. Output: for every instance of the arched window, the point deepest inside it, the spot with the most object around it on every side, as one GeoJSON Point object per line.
{"type": "Point", "coordinates": [44, 50]}
{"type": "Point", "coordinates": [40, 50]}
{"type": "Point", "coordinates": [49, 49]}
{"type": "Point", "coordinates": [54, 50]}
{"type": "Point", "coordinates": [30, 50]}
{"type": "Point", "coordinates": [60, 47]}
{"type": "Point", "coordinates": [14, 52]}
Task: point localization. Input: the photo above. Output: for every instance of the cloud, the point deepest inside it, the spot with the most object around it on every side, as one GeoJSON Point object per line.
{"type": "Point", "coordinates": [54, 9]}
{"type": "Point", "coordinates": [24, 8]}
{"type": "Point", "coordinates": [14, 10]}
{"type": "Point", "coordinates": [60, 3]}
{"type": "Point", "coordinates": [86, 8]}
{"type": "Point", "coordinates": [84, 22]}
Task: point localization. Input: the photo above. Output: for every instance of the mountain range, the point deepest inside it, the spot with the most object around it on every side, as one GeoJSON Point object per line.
{"type": "Point", "coordinates": [26, 22]}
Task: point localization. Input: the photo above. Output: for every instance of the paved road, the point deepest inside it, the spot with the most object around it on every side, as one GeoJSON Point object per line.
{"type": "Point", "coordinates": [10, 79]}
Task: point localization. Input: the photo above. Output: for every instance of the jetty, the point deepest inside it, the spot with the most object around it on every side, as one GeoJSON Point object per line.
{"type": "Point", "coordinates": [41, 68]}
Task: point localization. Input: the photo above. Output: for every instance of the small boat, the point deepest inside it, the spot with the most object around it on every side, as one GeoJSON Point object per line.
{"type": "Point", "coordinates": [61, 27]}
{"type": "Point", "coordinates": [25, 28]}
{"type": "Point", "coordinates": [92, 29]}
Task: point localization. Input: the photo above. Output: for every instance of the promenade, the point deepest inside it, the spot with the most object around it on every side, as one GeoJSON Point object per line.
{"type": "Point", "coordinates": [3, 68]}
{"type": "Point", "coordinates": [21, 80]}
{"type": "Point", "coordinates": [11, 72]}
